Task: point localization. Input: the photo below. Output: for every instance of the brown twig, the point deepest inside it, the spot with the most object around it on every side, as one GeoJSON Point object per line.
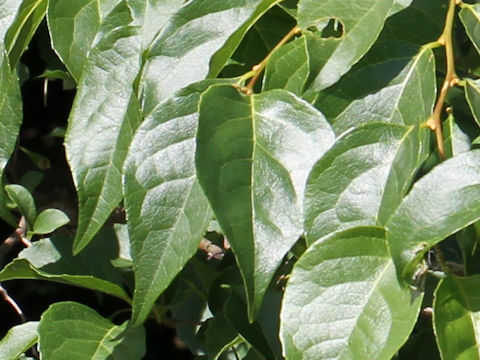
{"type": "Point", "coordinates": [258, 69]}
{"type": "Point", "coordinates": [451, 78]}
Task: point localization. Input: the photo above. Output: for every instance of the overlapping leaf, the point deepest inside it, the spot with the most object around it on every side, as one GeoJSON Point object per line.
{"type": "Point", "coordinates": [77, 332]}
{"type": "Point", "coordinates": [341, 53]}
{"type": "Point", "coordinates": [167, 211]}
{"type": "Point", "coordinates": [254, 154]}
{"type": "Point", "coordinates": [457, 317]}
{"type": "Point", "coordinates": [395, 83]}
{"type": "Point", "coordinates": [196, 42]}
{"type": "Point", "coordinates": [30, 15]}
{"type": "Point", "coordinates": [470, 16]}
{"type": "Point", "coordinates": [343, 301]}
{"type": "Point", "coordinates": [18, 340]}
{"type": "Point", "coordinates": [10, 101]}
{"type": "Point", "coordinates": [74, 28]}
{"type": "Point", "coordinates": [361, 179]}
{"type": "Point", "coordinates": [472, 94]}
{"type": "Point", "coordinates": [51, 259]}
{"type": "Point", "coordinates": [288, 68]}
{"type": "Point", "coordinates": [444, 201]}
{"type": "Point", "coordinates": [104, 117]}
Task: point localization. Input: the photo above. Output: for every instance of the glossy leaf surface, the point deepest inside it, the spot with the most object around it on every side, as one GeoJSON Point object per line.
{"type": "Point", "coordinates": [457, 317]}
{"type": "Point", "coordinates": [182, 52]}
{"type": "Point", "coordinates": [101, 124]}
{"type": "Point", "coordinates": [167, 210]}
{"type": "Point", "coordinates": [439, 204]}
{"type": "Point", "coordinates": [78, 332]}
{"type": "Point", "coordinates": [74, 28]}
{"type": "Point", "coordinates": [343, 301]}
{"type": "Point", "coordinates": [23, 201]}
{"type": "Point", "coordinates": [18, 340]}
{"type": "Point", "coordinates": [353, 43]}
{"type": "Point", "coordinates": [359, 181]}
{"type": "Point", "coordinates": [253, 157]}
{"type": "Point", "coordinates": [472, 94]}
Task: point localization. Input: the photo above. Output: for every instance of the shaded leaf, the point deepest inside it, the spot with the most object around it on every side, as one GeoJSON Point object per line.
{"type": "Point", "coordinates": [18, 340]}
{"type": "Point", "coordinates": [472, 94]}
{"type": "Point", "coordinates": [51, 259]}
{"type": "Point", "coordinates": [253, 156]}
{"type": "Point", "coordinates": [457, 317]}
{"type": "Point", "coordinates": [220, 336]}
{"type": "Point", "coordinates": [454, 139]}
{"type": "Point", "coordinates": [74, 28]}
{"type": "Point", "coordinates": [470, 16]}
{"type": "Point", "coordinates": [361, 179]}
{"type": "Point", "coordinates": [49, 220]}
{"type": "Point", "coordinates": [166, 208]}
{"type": "Point", "coordinates": [288, 68]}
{"type": "Point", "coordinates": [343, 300]}
{"type": "Point", "coordinates": [354, 42]}
{"type": "Point", "coordinates": [73, 331]}
{"type": "Point", "coordinates": [196, 42]}
{"type": "Point", "coordinates": [103, 119]}
{"type": "Point", "coordinates": [442, 202]}
{"type": "Point", "coordinates": [24, 202]}
{"type": "Point", "coordinates": [29, 16]}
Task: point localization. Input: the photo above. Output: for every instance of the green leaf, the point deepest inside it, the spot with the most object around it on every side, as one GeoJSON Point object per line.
{"type": "Point", "coordinates": [288, 68]}
{"type": "Point", "coordinates": [104, 117]}
{"type": "Point", "coordinates": [454, 139]}
{"type": "Point", "coordinates": [49, 220]}
{"type": "Point", "coordinates": [343, 52]}
{"type": "Point", "coordinates": [51, 259]}
{"type": "Point", "coordinates": [18, 340]}
{"type": "Point", "coordinates": [253, 157]}
{"type": "Point", "coordinates": [472, 94]}
{"type": "Point", "coordinates": [27, 20]}
{"type": "Point", "coordinates": [73, 331]}
{"type": "Point", "coordinates": [361, 179]}
{"type": "Point", "coordinates": [74, 28]}
{"type": "Point", "coordinates": [399, 5]}
{"type": "Point", "coordinates": [420, 23]}
{"type": "Point", "coordinates": [470, 16]}
{"type": "Point", "coordinates": [456, 317]}
{"type": "Point", "coordinates": [442, 202]}
{"type": "Point", "coordinates": [10, 102]}
{"type": "Point", "coordinates": [167, 211]}
{"type": "Point", "coordinates": [394, 83]}
{"type": "Point", "coordinates": [343, 300]}
{"type": "Point", "coordinates": [220, 336]}
{"type": "Point", "coordinates": [196, 42]}
{"type": "Point", "coordinates": [24, 202]}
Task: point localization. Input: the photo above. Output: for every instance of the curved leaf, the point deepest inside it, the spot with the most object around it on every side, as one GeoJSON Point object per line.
{"type": "Point", "coordinates": [456, 317]}
{"type": "Point", "coordinates": [49, 220]}
{"type": "Point", "coordinates": [343, 301]}
{"type": "Point", "coordinates": [196, 42]}
{"type": "Point", "coordinates": [74, 28]}
{"type": "Point", "coordinates": [394, 83]}
{"type": "Point", "coordinates": [361, 179]}
{"type": "Point", "coordinates": [470, 16]}
{"type": "Point", "coordinates": [18, 340]}
{"type": "Point", "coordinates": [51, 259]}
{"type": "Point", "coordinates": [444, 201]}
{"type": "Point", "coordinates": [253, 157]}
{"type": "Point", "coordinates": [341, 53]}
{"type": "Point", "coordinates": [472, 94]}
{"type": "Point", "coordinates": [288, 68]}
{"type": "Point", "coordinates": [104, 117]}
{"type": "Point", "coordinates": [167, 211]}
{"type": "Point", "coordinates": [24, 202]}
{"type": "Point", "coordinates": [29, 17]}
{"type": "Point", "coordinates": [77, 332]}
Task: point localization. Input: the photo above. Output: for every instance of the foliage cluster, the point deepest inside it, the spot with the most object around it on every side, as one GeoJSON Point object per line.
{"type": "Point", "coordinates": [299, 178]}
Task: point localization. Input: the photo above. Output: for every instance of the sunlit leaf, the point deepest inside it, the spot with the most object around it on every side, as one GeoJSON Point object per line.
{"type": "Point", "coordinates": [254, 154]}
{"type": "Point", "coordinates": [18, 340]}
{"type": "Point", "coordinates": [343, 301]}
{"type": "Point", "coordinates": [77, 332]}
